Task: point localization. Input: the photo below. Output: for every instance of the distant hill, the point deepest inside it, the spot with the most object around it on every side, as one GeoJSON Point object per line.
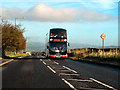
{"type": "Point", "coordinates": [80, 45]}
{"type": "Point", "coordinates": [35, 46]}
{"type": "Point", "coordinates": [38, 46]}
{"type": "Point", "coordinates": [111, 46]}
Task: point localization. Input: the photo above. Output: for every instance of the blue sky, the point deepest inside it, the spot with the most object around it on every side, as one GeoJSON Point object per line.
{"type": "Point", "coordinates": [85, 21]}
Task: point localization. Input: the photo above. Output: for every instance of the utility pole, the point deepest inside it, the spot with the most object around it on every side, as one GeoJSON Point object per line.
{"type": "Point", "coordinates": [3, 21]}
{"type": "Point", "coordinates": [103, 47]}
{"type": "Point", "coordinates": [16, 20]}
{"type": "Point", "coordinates": [2, 52]}
{"type": "Point", "coordinates": [46, 43]}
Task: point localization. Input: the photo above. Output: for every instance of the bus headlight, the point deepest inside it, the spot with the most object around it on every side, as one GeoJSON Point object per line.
{"type": "Point", "coordinates": [51, 39]}
{"type": "Point", "coordinates": [65, 40]}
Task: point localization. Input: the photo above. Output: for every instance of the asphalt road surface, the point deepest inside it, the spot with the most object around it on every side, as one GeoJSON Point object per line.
{"type": "Point", "coordinates": [49, 73]}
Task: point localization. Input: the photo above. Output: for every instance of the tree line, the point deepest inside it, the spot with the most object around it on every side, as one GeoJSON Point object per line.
{"type": "Point", "coordinates": [12, 38]}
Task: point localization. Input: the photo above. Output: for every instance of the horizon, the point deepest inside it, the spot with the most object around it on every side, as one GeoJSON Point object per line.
{"type": "Point", "coordinates": [31, 46]}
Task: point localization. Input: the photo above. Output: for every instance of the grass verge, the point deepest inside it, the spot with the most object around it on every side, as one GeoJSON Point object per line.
{"type": "Point", "coordinates": [17, 55]}
{"type": "Point", "coordinates": [114, 62]}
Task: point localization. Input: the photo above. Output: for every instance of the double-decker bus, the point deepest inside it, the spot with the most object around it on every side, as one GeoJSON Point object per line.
{"type": "Point", "coordinates": [57, 45]}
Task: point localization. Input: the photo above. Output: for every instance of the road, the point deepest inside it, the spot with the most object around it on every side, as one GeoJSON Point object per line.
{"type": "Point", "coordinates": [49, 73]}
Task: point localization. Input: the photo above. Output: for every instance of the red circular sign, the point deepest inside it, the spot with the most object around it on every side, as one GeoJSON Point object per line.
{"type": "Point", "coordinates": [103, 36]}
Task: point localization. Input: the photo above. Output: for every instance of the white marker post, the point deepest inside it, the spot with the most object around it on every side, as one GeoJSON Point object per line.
{"type": "Point", "coordinates": [103, 36]}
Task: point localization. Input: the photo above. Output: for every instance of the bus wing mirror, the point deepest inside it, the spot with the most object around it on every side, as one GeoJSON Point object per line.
{"type": "Point", "coordinates": [47, 47]}
{"type": "Point", "coordinates": [68, 44]}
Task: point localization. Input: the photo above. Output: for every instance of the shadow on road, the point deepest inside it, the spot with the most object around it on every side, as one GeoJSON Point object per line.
{"type": "Point", "coordinates": [32, 57]}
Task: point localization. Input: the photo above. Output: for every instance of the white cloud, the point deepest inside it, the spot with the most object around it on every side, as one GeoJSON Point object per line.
{"type": "Point", "coordinates": [42, 12]}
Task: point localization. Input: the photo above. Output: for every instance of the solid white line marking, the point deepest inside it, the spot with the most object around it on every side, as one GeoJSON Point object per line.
{"type": "Point", "coordinates": [103, 84]}
{"type": "Point", "coordinates": [51, 69]}
{"type": "Point", "coordinates": [68, 74]}
{"type": "Point", "coordinates": [6, 62]}
{"type": "Point", "coordinates": [56, 62]}
{"type": "Point", "coordinates": [69, 84]}
{"type": "Point", "coordinates": [80, 80]}
{"type": "Point", "coordinates": [44, 62]}
{"type": "Point", "coordinates": [70, 69]}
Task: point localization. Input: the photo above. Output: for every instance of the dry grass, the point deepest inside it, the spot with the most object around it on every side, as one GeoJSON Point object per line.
{"type": "Point", "coordinates": [18, 55]}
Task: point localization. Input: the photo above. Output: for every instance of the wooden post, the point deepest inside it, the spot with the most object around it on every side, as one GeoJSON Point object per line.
{"type": "Point", "coordinates": [103, 47]}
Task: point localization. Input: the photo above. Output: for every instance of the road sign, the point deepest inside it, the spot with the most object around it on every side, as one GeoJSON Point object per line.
{"type": "Point", "coordinates": [103, 36]}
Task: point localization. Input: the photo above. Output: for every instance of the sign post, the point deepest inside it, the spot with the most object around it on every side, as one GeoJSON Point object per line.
{"type": "Point", "coordinates": [103, 36]}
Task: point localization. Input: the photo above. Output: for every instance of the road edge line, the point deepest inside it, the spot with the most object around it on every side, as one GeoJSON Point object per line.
{"type": "Point", "coordinates": [44, 62]}
{"type": "Point", "coordinates": [103, 83]}
{"type": "Point", "coordinates": [6, 62]}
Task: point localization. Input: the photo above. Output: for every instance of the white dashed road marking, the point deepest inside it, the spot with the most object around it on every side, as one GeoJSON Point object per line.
{"type": "Point", "coordinates": [68, 74]}
{"type": "Point", "coordinates": [80, 80]}
{"type": "Point", "coordinates": [69, 84]}
{"type": "Point", "coordinates": [6, 62]}
{"type": "Point", "coordinates": [103, 84]}
{"type": "Point", "coordinates": [75, 73]}
{"type": "Point", "coordinates": [41, 60]}
{"type": "Point", "coordinates": [44, 62]}
{"type": "Point", "coordinates": [56, 62]}
{"type": "Point", "coordinates": [70, 69]}
{"type": "Point", "coordinates": [51, 69]}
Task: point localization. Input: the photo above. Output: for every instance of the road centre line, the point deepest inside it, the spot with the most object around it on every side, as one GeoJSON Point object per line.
{"type": "Point", "coordinates": [80, 80]}
{"type": "Point", "coordinates": [68, 74]}
{"type": "Point", "coordinates": [51, 69]}
{"type": "Point", "coordinates": [56, 62]}
{"type": "Point", "coordinates": [70, 69]}
{"type": "Point", "coordinates": [103, 84]}
{"type": "Point", "coordinates": [69, 84]}
{"type": "Point", "coordinates": [44, 62]}
{"type": "Point", "coordinates": [6, 62]}
{"type": "Point", "coordinates": [41, 60]}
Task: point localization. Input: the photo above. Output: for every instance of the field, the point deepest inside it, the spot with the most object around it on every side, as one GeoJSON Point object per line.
{"type": "Point", "coordinates": [13, 54]}
{"type": "Point", "coordinates": [109, 57]}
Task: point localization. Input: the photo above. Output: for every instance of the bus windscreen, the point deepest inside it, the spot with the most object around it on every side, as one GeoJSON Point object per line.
{"type": "Point", "coordinates": [58, 33]}
{"type": "Point", "coordinates": [58, 46]}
